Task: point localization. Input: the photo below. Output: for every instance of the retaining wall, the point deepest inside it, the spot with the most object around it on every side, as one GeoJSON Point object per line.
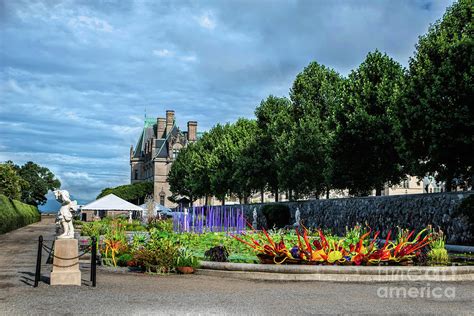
{"type": "Point", "coordinates": [383, 213]}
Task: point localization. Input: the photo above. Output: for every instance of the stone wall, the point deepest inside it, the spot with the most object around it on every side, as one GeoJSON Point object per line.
{"type": "Point", "coordinates": [383, 213]}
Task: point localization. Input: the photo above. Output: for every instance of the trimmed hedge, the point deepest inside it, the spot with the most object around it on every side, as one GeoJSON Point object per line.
{"type": "Point", "coordinates": [15, 214]}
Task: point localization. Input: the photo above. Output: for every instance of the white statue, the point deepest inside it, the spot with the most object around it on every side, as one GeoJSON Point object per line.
{"type": "Point", "coordinates": [254, 222]}
{"type": "Point", "coordinates": [64, 214]}
{"type": "Point", "coordinates": [186, 219]}
{"type": "Point", "coordinates": [297, 217]}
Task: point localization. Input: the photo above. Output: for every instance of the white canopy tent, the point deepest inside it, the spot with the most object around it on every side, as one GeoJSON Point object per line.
{"type": "Point", "coordinates": [110, 205]}
{"type": "Point", "coordinates": [157, 209]}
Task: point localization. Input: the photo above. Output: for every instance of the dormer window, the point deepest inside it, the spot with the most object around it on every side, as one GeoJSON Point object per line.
{"type": "Point", "coordinates": [175, 153]}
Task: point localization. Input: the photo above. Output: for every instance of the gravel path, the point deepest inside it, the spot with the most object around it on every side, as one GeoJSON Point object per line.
{"type": "Point", "coordinates": [124, 294]}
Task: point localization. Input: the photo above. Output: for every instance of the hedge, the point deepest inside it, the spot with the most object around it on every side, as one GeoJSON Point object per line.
{"type": "Point", "coordinates": [15, 214]}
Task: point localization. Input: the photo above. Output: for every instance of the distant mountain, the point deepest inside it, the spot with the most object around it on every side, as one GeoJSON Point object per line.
{"type": "Point", "coordinates": [52, 206]}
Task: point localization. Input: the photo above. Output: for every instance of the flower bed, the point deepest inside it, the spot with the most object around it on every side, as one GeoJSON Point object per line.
{"type": "Point", "coordinates": [355, 248]}
{"type": "Point", "coordinates": [156, 248]}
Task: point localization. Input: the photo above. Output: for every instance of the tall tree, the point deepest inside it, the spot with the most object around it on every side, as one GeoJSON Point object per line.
{"type": "Point", "coordinates": [180, 176]}
{"type": "Point", "coordinates": [274, 123]}
{"type": "Point", "coordinates": [315, 94]}
{"type": "Point", "coordinates": [228, 144]}
{"type": "Point", "coordinates": [436, 118]}
{"type": "Point", "coordinates": [364, 149]}
{"type": "Point", "coordinates": [40, 180]}
{"type": "Point", "coordinates": [244, 180]}
{"type": "Point", "coordinates": [189, 175]}
{"type": "Point", "coordinates": [11, 183]}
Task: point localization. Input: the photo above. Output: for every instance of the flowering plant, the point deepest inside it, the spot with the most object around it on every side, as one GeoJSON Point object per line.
{"type": "Point", "coordinates": [322, 250]}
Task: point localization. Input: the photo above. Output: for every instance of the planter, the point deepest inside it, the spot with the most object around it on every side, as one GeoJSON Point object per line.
{"type": "Point", "coordinates": [185, 270]}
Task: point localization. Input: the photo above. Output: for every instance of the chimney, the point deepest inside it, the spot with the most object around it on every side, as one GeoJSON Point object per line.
{"type": "Point", "coordinates": [192, 131]}
{"type": "Point", "coordinates": [160, 127]}
{"type": "Point", "coordinates": [169, 121]}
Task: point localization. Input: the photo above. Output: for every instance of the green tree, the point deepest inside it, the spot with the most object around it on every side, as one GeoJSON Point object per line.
{"type": "Point", "coordinates": [242, 134]}
{"type": "Point", "coordinates": [134, 193]}
{"type": "Point", "coordinates": [225, 145]}
{"type": "Point", "coordinates": [188, 176]}
{"type": "Point", "coordinates": [364, 148]}
{"type": "Point", "coordinates": [40, 180]}
{"type": "Point", "coordinates": [274, 124]}
{"type": "Point", "coordinates": [436, 117]}
{"type": "Point", "coordinates": [11, 183]}
{"type": "Point", "coordinates": [315, 94]}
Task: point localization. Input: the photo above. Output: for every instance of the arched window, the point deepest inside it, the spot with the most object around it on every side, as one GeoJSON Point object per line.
{"type": "Point", "coordinates": [162, 197]}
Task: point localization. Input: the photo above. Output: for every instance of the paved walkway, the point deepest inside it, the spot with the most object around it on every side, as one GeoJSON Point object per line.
{"type": "Point", "coordinates": [125, 294]}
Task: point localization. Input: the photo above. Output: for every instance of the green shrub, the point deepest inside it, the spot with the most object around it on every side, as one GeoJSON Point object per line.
{"type": "Point", "coordinates": [277, 215]}
{"type": "Point", "coordinates": [94, 229]}
{"type": "Point", "coordinates": [159, 256]}
{"type": "Point", "coordinates": [187, 259]}
{"type": "Point", "coordinates": [123, 259]}
{"type": "Point", "coordinates": [438, 253]}
{"type": "Point", "coordinates": [164, 225]}
{"type": "Point", "coordinates": [15, 214]}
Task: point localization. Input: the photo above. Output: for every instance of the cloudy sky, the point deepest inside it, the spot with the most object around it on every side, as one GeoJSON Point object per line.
{"type": "Point", "coordinates": [77, 76]}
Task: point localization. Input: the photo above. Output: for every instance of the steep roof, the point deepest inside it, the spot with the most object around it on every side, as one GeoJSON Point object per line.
{"type": "Point", "coordinates": [161, 144]}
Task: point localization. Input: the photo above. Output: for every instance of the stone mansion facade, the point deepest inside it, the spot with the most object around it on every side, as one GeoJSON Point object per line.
{"type": "Point", "coordinates": [157, 147]}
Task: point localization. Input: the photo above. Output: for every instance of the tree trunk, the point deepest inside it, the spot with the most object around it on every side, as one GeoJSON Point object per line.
{"type": "Point", "coordinates": [206, 200]}
{"type": "Point", "coordinates": [223, 200]}
{"type": "Point", "coordinates": [290, 195]}
{"type": "Point", "coordinates": [327, 193]}
{"type": "Point", "coordinates": [276, 195]}
{"type": "Point", "coordinates": [262, 196]}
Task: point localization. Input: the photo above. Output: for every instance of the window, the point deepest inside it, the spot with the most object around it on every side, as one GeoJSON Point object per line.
{"type": "Point", "coordinates": [175, 153]}
{"type": "Point", "coordinates": [162, 200]}
{"type": "Point", "coordinates": [136, 175]}
{"type": "Point", "coordinates": [406, 184]}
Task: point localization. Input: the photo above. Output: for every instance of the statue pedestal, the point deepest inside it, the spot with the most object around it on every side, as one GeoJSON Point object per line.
{"type": "Point", "coordinates": [65, 272]}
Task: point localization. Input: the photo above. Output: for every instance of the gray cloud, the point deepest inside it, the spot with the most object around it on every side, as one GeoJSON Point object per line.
{"type": "Point", "coordinates": [76, 76]}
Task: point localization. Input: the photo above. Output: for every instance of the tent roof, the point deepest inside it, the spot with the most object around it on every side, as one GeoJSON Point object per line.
{"type": "Point", "coordinates": [111, 202]}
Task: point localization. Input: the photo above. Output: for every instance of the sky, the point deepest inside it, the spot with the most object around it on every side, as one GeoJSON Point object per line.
{"type": "Point", "coordinates": [78, 77]}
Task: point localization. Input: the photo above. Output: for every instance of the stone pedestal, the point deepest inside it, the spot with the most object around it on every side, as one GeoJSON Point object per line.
{"type": "Point", "coordinates": [65, 272]}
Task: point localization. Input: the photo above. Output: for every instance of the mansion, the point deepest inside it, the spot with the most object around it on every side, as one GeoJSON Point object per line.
{"type": "Point", "coordinates": [157, 147]}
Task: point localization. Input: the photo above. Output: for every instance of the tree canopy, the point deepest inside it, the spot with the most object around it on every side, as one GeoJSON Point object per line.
{"type": "Point", "coordinates": [133, 193]}
{"type": "Point", "coordinates": [11, 183]}
{"type": "Point", "coordinates": [29, 183]}
{"type": "Point", "coordinates": [358, 133]}
{"type": "Point", "coordinates": [436, 117]}
{"type": "Point", "coordinates": [364, 147]}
